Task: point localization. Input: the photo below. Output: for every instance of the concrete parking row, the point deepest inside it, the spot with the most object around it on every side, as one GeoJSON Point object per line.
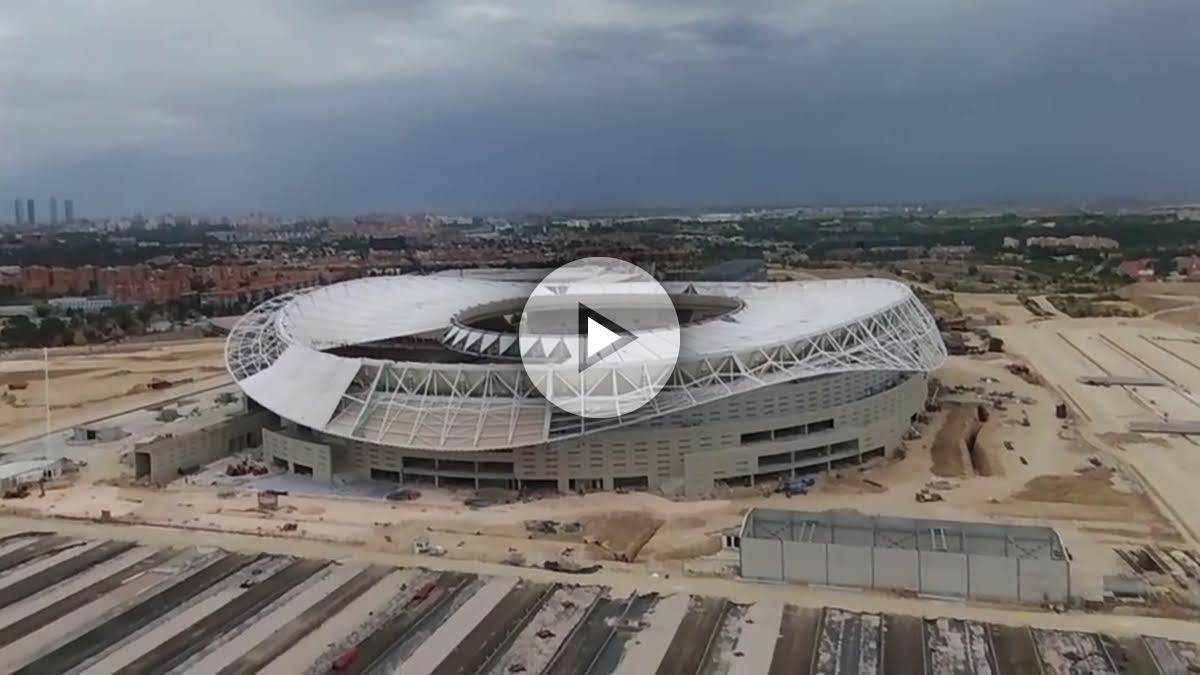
{"type": "Point", "coordinates": [75, 606]}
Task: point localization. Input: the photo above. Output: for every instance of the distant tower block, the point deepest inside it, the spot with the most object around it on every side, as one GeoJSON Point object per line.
{"type": "Point", "coordinates": [30, 213]}
{"type": "Point", "coordinates": [18, 214]}
{"type": "Point", "coordinates": [69, 210]}
{"type": "Point", "coordinates": [54, 210]}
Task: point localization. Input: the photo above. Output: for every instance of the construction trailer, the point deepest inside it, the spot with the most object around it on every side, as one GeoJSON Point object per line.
{"type": "Point", "coordinates": [15, 474]}
{"type": "Point", "coordinates": [941, 558]}
{"type": "Point", "coordinates": [95, 434]}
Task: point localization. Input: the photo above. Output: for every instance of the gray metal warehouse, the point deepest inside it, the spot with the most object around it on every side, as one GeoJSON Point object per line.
{"type": "Point", "coordinates": [1011, 563]}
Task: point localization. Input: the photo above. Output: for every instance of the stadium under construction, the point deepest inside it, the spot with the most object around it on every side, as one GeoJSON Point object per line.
{"type": "Point", "coordinates": [420, 379]}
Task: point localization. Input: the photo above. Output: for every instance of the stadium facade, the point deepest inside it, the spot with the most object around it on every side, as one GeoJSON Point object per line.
{"type": "Point", "coordinates": [419, 379]}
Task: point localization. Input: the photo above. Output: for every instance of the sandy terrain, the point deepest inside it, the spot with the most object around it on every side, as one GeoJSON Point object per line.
{"type": "Point", "coordinates": [1177, 303]}
{"type": "Point", "coordinates": [85, 386]}
{"type": "Point", "coordinates": [661, 535]}
{"type": "Point", "coordinates": [1063, 350]}
{"type": "Point", "coordinates": [1053, 486]}
{"type": "Point", "coordinates": [1097, 484]}
{"type": "Point", "coordinates": [1002, 309]}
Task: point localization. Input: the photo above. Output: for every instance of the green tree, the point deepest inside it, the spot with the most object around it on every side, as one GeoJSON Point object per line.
{"type": "Point", "coordinates": [52, 332]}
{"type": "Point", "coordinates": [19, 332]}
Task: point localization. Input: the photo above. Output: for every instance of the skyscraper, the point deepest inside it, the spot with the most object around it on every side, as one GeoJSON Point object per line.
{"type": "Point", "coordinates": [30, 213]}
{"type": "Point", "coordinates": [54, 210]}
{"type": "Point", "coordinates": [17, 213]}
{"type": "Point", "coordinates": [69, 210]}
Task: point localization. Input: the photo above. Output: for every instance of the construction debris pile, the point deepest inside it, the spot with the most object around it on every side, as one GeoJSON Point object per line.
{"type": "Point", "coordinates": [1025, 373]}
{"type": "Point", "coordinates": [999, 399]}
{"type": "Point", "coordinates": [552, 527]}
{"type": "Point", "coordinates": [246, 467]}
{"type": "Point", "coordinates": [1173, 573]}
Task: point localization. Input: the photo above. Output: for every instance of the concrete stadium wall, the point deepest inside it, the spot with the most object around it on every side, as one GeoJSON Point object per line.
{"type": "Point", "coordinates": [285, 448]}
{"type": "Point", "coordinates": [690, 451]}
{"type": "Point", "coordinates": [982, 577]}
{"type": "Point", "coordinates": [163, 458]}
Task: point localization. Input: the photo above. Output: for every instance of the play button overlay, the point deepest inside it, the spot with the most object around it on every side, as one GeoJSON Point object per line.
{"type": "Point", "coordinates": [599, 337]}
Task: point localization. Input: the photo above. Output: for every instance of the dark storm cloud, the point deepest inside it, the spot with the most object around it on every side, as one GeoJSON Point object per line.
{"type": "Point", "coordinates": [310, 107]}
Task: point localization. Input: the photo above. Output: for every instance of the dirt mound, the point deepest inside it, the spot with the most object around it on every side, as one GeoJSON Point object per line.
{"type": "Point", "coordinates": [692, 548]}
{"type": "Point", "coordinates": [949, 448]}
{"type": "Point", "coordinates": [1092, 486]}
{"type": "Point", "coordinates": [688, 522]}
{"type": "Point", "coordinates": [23, 376]}
{"type": "Point", "coordinates": [622, 535]}
{"type": "Point", "coordinates": [1120, 437]}
{"type": "Point", "coordinates": [983, 460]}
{"type": "Point", "coordinates": [115, 373]}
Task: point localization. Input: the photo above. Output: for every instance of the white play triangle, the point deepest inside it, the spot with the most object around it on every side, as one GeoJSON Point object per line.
{"type": "Point", "coordinates": [598, 337]}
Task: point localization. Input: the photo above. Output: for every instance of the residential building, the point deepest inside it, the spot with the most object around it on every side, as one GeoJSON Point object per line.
{"type": "Point", "coordinates": [90, 304]}
{"type": "Point", "coordinates": [1188, 266]}
{"type": "Point", "coordinates": [1075, 241]}
{"type": "Point", "coordinates": [1138, 270]}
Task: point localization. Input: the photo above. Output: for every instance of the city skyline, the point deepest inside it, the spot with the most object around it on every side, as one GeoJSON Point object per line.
{"type": "Point", "coordinates": [25, 212]}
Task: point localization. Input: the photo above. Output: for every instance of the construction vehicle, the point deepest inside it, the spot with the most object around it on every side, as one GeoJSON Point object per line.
{"type": "Point", "coordinates": [926, 495]}
{"type": "Point", "coordinates": [422, 546]}
{"type": "Point", "coordinates": [796, 486]}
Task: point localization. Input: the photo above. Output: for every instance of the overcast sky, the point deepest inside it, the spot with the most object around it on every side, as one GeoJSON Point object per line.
{"type": "Point", "coordinates": [314, 106]}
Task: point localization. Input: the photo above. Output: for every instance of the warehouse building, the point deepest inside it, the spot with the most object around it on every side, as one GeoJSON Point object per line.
{"type": "Point", "coordinates": [196, 442]}
{"type": "Point", "coordinates": [1009, 563]}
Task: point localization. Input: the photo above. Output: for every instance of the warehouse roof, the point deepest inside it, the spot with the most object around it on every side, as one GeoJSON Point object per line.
{"type": "Point", "coordinates": [942, 536]}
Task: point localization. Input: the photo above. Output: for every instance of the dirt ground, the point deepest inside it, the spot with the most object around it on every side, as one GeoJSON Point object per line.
{"type": "Point", "coordinates": [949, 448]}
{"type": "Point", "coordinates": [1176, 303]}
{"type": "Point", "coordinates": [87, 385]}
{"type": "Point", "coordinates": [1042, 472]}
{"type": "Point", "coordinates": [1160, 466]}
{"type": "Point", "coordinates": [993, 309]}
{"type": "Point", "coordinates": [661, 535]}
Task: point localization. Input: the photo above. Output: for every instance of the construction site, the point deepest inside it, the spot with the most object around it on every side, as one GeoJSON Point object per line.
{"type": "Point", "coordinates": [91, 383]}
{"type": "Point", "coordinates": [73, 605]}
{"type": "Point", "coordinates": [1050, 432]}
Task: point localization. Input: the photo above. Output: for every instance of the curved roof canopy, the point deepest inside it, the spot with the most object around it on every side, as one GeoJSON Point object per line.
{"type": "Point", "coordinates": [279, 355]}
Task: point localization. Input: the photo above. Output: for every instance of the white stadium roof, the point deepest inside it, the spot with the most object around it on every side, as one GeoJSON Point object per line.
{"type": "Point", "coordinates": [775, 332]}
